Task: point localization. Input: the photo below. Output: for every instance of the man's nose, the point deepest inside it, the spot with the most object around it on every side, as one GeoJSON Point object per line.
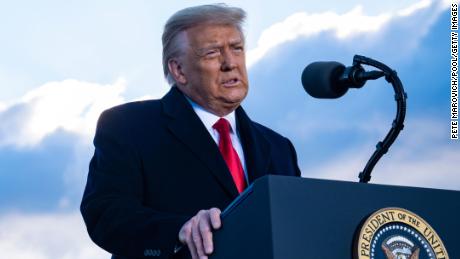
{"type": "Point", "coordinates": [229, 61]}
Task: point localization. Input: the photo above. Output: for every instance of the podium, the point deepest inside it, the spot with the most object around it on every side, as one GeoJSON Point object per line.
{"type": "Point", "coordinates": [281, 217]}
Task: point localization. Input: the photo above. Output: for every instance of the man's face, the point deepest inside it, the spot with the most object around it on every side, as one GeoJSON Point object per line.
{"type": "Point", "coordinates": [213, 68]}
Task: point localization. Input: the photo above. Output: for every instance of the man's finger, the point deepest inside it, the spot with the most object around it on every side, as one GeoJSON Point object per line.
{"type": "Point", "coordinates": [206, 234]}
{"type": "Point", "coordinates": [185, 232]}
{"type": "Point", "coordinates": [196, 236]}
{"type": "Point", "coordinates": [191, 247]}
{"type": "Point", "coordinates": [214, 215]}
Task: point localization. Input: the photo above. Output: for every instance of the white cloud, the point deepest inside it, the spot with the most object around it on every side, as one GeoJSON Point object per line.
{"type": "Point", "coordinates": [435, 168]}
{"type": "Point", "coordinates": [419, 157]}
{"type": "Point", "coordinates": [414, 8]}
{"type": "Point", "coordinates": [70, 105]}
{"type": "Point", "coordinates": [305, 25]}
{"type": "Point", "coordinates": [46, 236]}
{"type": "Point", "coordinates": [295, 124]}
{"type": "Point", "coordinates": [343, 26]}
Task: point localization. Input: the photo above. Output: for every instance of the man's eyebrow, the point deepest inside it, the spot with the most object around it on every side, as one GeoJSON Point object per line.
{"type": "Point", "coordinates": [211, 46]}
{"type": "Point", "coordinates": [236, 41]}
{"type": "Point", "coordinates": [216, 45]}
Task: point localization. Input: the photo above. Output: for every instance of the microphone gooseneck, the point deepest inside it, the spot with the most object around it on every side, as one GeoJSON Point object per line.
{"type": "Point", "coordinates": [333, 79]}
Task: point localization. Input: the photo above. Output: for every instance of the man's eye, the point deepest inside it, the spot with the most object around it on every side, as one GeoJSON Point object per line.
{"type": "Point", "coordinates": [238, 48]}
{"type": "Point", "coordinates": [212, 52]}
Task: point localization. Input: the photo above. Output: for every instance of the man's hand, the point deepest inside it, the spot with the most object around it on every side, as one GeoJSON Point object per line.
{"type": "Point", "coordinates": [197, 232]}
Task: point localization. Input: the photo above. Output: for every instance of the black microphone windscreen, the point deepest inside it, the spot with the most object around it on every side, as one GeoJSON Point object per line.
{"type": "Point", "coordinates": [320, 79]}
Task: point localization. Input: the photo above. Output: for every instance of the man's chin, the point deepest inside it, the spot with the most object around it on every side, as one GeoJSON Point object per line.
{"type": "Point", "coordinates": [236, 96]}
{"type": "Point", "coordinates": [234, 102]}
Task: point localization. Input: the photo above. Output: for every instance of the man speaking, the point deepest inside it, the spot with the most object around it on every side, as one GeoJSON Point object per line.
{"type": "Point", "coordinates": [164, 169]}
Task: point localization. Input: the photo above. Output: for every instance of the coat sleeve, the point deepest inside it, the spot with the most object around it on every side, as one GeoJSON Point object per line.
{"type": "Point", "coordinates": [112, 206]}
{"type": "Point", "coordinates": [295, 165]}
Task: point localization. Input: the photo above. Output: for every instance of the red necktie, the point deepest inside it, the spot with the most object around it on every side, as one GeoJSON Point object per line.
{"type": "Point", "coordinates": [228, 152]}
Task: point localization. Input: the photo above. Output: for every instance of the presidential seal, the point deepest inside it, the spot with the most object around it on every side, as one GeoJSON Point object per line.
{"type": "Point", "coordinates": [395, 233]}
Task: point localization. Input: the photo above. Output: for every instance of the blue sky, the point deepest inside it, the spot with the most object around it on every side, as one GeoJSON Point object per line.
{"type": "Point", "coordinates": [65, 62]}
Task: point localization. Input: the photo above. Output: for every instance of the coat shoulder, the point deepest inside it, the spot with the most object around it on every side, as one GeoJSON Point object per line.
{"type": "Point", "coordinates": [282, 151]}
{"type": "Point", "coordinates": [129, 117]}
{"type": "Point", "coordinates": [269, 133]}
{"type": "Point", "coordinates": [133, 108]}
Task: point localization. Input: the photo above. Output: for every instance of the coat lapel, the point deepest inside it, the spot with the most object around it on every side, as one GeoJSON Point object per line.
{"type": "Point", "coordinates": [256, 147]}
{"type": "Point", "coordinates": [188, 128]}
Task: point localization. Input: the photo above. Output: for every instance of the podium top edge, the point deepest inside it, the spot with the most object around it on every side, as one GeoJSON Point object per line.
{"type": "Point", "coordinates": [272, 177]}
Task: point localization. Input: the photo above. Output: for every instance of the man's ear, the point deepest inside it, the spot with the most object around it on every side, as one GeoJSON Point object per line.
{"type": "Point", "coordinates": [176, 70]}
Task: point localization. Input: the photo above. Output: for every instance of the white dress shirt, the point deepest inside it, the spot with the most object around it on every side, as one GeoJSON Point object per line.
{"type": "Point", "coordinates": [210, 119]}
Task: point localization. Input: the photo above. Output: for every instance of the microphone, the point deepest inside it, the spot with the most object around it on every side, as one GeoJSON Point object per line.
{"type": "Point", "coordinates": [330, 79]}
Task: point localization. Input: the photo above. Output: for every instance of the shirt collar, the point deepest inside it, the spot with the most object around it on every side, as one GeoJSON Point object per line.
{"type": "Point", "coordinates": [209, 119]}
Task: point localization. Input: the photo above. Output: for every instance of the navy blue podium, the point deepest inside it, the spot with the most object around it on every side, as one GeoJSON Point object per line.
{"type": "Point", "coordinates": [281, 217]}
